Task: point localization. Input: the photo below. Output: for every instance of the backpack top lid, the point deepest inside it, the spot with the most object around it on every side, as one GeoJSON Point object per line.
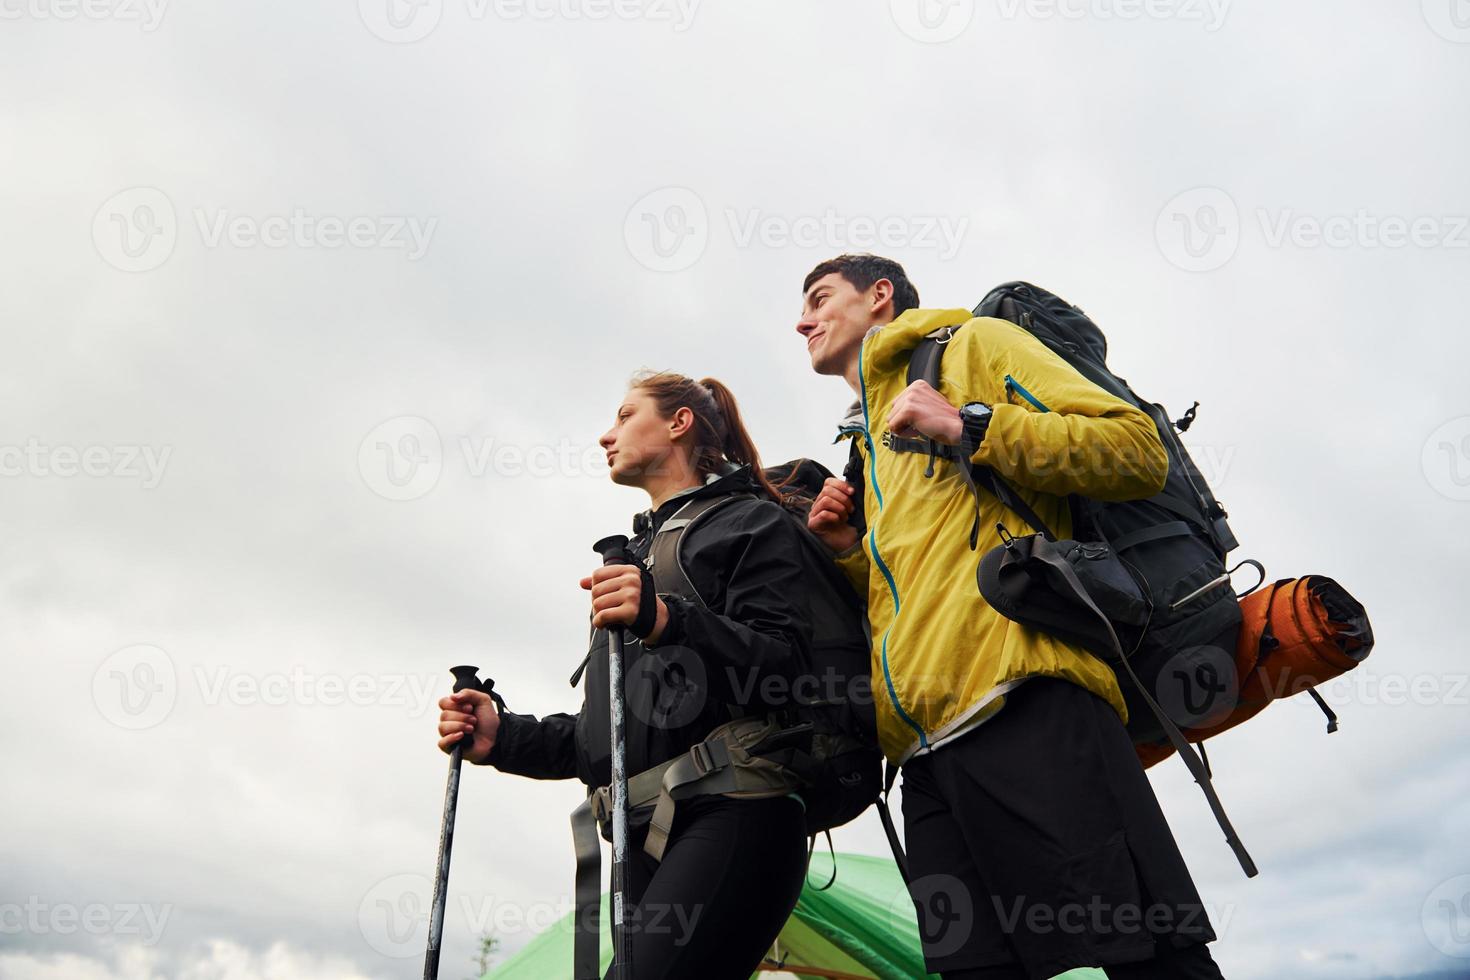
{"type": "Point", "coordinates": [1018, 301]}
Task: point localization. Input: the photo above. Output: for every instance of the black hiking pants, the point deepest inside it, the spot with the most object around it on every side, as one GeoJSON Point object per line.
{"type": "Point", "coordinates": [1036, 845]}
{"type": "Point", "coordinates": [729, 879]}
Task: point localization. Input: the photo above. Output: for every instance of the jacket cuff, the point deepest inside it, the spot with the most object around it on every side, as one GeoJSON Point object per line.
{"type": "Point", "coordinates": [673, 634]}
{"type": "Point", "coordinates": [504, 735]}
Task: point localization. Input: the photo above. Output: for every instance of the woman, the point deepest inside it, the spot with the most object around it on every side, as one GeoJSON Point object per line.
{"type": "Point", "coordinates": [738, 637]}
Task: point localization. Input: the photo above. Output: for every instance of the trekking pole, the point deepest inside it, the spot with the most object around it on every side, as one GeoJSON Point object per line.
{"type": "Point", "coordinates": [464, 678]}
{"type": "Point", "coordinates": [613, 550]}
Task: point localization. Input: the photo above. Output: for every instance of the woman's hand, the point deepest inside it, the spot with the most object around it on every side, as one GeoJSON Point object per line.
{"type": "Point", "coordinates": [468, 715]}
{"type": "Point", "coordinates": [617, 596]}
{"type": "Point", "coordinates": [830, 511]}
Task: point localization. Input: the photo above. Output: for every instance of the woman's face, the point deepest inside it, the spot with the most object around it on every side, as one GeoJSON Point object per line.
{"type": "Point", "coordinates": [641, 442]}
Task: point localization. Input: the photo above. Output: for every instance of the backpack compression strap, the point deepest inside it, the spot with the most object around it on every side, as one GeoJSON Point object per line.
{"type": "Point", "coordinates": [890, 772]}
{"type": "Point", "coordinates": [587, 926]}
{"type": "Point", "coordinates": [1197, 768]}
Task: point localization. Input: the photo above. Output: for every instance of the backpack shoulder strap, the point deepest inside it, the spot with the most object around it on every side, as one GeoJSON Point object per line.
{"type": "Point", "coordinates": [924, 366]}
{"type": "Point", "coordinates": [924, 361]}
{"type": "Point", "coordinates": [665, 555]}
{"type": "Point", "coordinates": [852, 472]}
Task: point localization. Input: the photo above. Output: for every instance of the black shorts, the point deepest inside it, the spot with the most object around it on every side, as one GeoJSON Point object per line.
{"type": "Point", "coordinates": [1036, 841]}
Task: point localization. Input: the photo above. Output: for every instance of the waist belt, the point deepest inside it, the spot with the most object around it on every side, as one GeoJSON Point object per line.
{"type": "Point", "coordinates": [724, 764]}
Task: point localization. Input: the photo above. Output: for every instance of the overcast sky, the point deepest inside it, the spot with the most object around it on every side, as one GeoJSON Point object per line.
{"type": "Point", "coordinates": [312, 314]}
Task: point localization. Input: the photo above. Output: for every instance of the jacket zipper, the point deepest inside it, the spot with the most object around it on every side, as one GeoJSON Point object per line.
{"type": "Point", "coordinates": [1012, 385]}
{"type": "Point", "coordinates": [878, 557]}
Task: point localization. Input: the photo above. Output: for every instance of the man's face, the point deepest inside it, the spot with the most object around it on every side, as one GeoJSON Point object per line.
{"type": "Point", "coordinates": [835, 316]}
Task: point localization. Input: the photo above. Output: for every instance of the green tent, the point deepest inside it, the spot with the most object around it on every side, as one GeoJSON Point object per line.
{"type": "Point", "coordinates": [862, 926]}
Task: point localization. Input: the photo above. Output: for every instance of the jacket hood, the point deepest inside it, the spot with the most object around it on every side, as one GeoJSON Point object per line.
{"type": "Point", "coordinates": [852, 421]}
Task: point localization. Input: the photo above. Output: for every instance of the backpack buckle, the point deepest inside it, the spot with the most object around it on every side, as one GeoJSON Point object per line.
{"type": "Point", "coordinates": [1005, 536]}
{"type": "Point", "coordinates": [705, 759]}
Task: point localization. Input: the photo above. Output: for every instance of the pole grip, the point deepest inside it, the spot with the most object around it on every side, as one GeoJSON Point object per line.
{"type": "Point", "coordinates": [466, 677]}
{"type": "Point", "coordinates": [613, 549]}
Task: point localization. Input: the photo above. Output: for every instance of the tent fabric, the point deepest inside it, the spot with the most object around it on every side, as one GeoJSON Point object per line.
{"type": "Point", "coordinates": [864, 925]}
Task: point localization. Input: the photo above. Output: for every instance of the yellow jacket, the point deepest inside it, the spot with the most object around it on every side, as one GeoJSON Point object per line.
{"type": "Point", "coordinates": [942, 658]}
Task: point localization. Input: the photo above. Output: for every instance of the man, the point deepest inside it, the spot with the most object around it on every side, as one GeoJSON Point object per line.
{"type": "Point", "coordinates": [1035, 842]}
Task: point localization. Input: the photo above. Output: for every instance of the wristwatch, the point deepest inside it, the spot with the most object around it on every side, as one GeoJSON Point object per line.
{"type": "Point", "coordinates": [975, 417]}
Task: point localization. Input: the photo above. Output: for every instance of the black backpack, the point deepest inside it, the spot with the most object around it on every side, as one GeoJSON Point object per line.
{"type": "Point", "coordinates": [828, 733]}
{"type": "Point", "coordinates": [1141, 583]}
{"type": "Point", "coordinates": [1174, 544]}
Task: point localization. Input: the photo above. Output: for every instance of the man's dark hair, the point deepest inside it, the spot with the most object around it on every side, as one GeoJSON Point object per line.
{"type": "Point", "coordinates": [862, 271]}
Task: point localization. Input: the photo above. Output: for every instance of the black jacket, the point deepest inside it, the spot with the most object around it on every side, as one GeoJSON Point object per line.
{"type": "Point", "coordinates": [748, 561]}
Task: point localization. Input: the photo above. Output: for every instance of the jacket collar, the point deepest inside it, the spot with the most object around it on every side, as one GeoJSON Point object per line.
{"type": "Point", "coordinates": [887, 347]}
{"type": "Point", "coordinates": [729, 478]}
{"type": "Point", "coordinates": [852, 422]}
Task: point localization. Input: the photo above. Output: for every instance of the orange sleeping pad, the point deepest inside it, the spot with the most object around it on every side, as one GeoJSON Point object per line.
{"type": "Point", "coordinates": [1296, 634]}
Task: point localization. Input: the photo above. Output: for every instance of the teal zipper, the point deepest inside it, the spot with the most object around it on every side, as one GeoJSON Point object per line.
{"type": "Point", "coordinates": [1013, 385]}
{"type": "Point", "coordinates": [878, 558]}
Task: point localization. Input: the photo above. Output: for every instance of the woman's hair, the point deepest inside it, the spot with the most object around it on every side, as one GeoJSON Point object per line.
{"type": "Point", "coordinates": [719, 432]}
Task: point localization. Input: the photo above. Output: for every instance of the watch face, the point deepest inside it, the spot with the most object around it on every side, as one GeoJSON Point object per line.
{"type": "Point", "coordinates": [976, 410]}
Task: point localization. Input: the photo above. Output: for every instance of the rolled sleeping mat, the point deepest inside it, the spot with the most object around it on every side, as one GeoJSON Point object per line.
{"type": "Point", "coordinates": [1308, 631]}
{"type": "Point", "coordinates": [1296, 634]}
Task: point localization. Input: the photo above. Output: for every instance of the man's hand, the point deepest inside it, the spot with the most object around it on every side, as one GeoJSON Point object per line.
{"type": "Point", "coordinates": [617, 595]}
{"type": "Point", "coordinates": [920, 412]}
{"type": "Point", "coordinates": [471, 715]}
{"type": "Point", "coordinates": [830, 511]}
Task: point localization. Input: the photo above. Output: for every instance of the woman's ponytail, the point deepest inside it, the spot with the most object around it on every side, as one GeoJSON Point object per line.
{"type": "Point", "coordinates": [738, 446]}
{"type": "Point", "coordinates": [719, 431]}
